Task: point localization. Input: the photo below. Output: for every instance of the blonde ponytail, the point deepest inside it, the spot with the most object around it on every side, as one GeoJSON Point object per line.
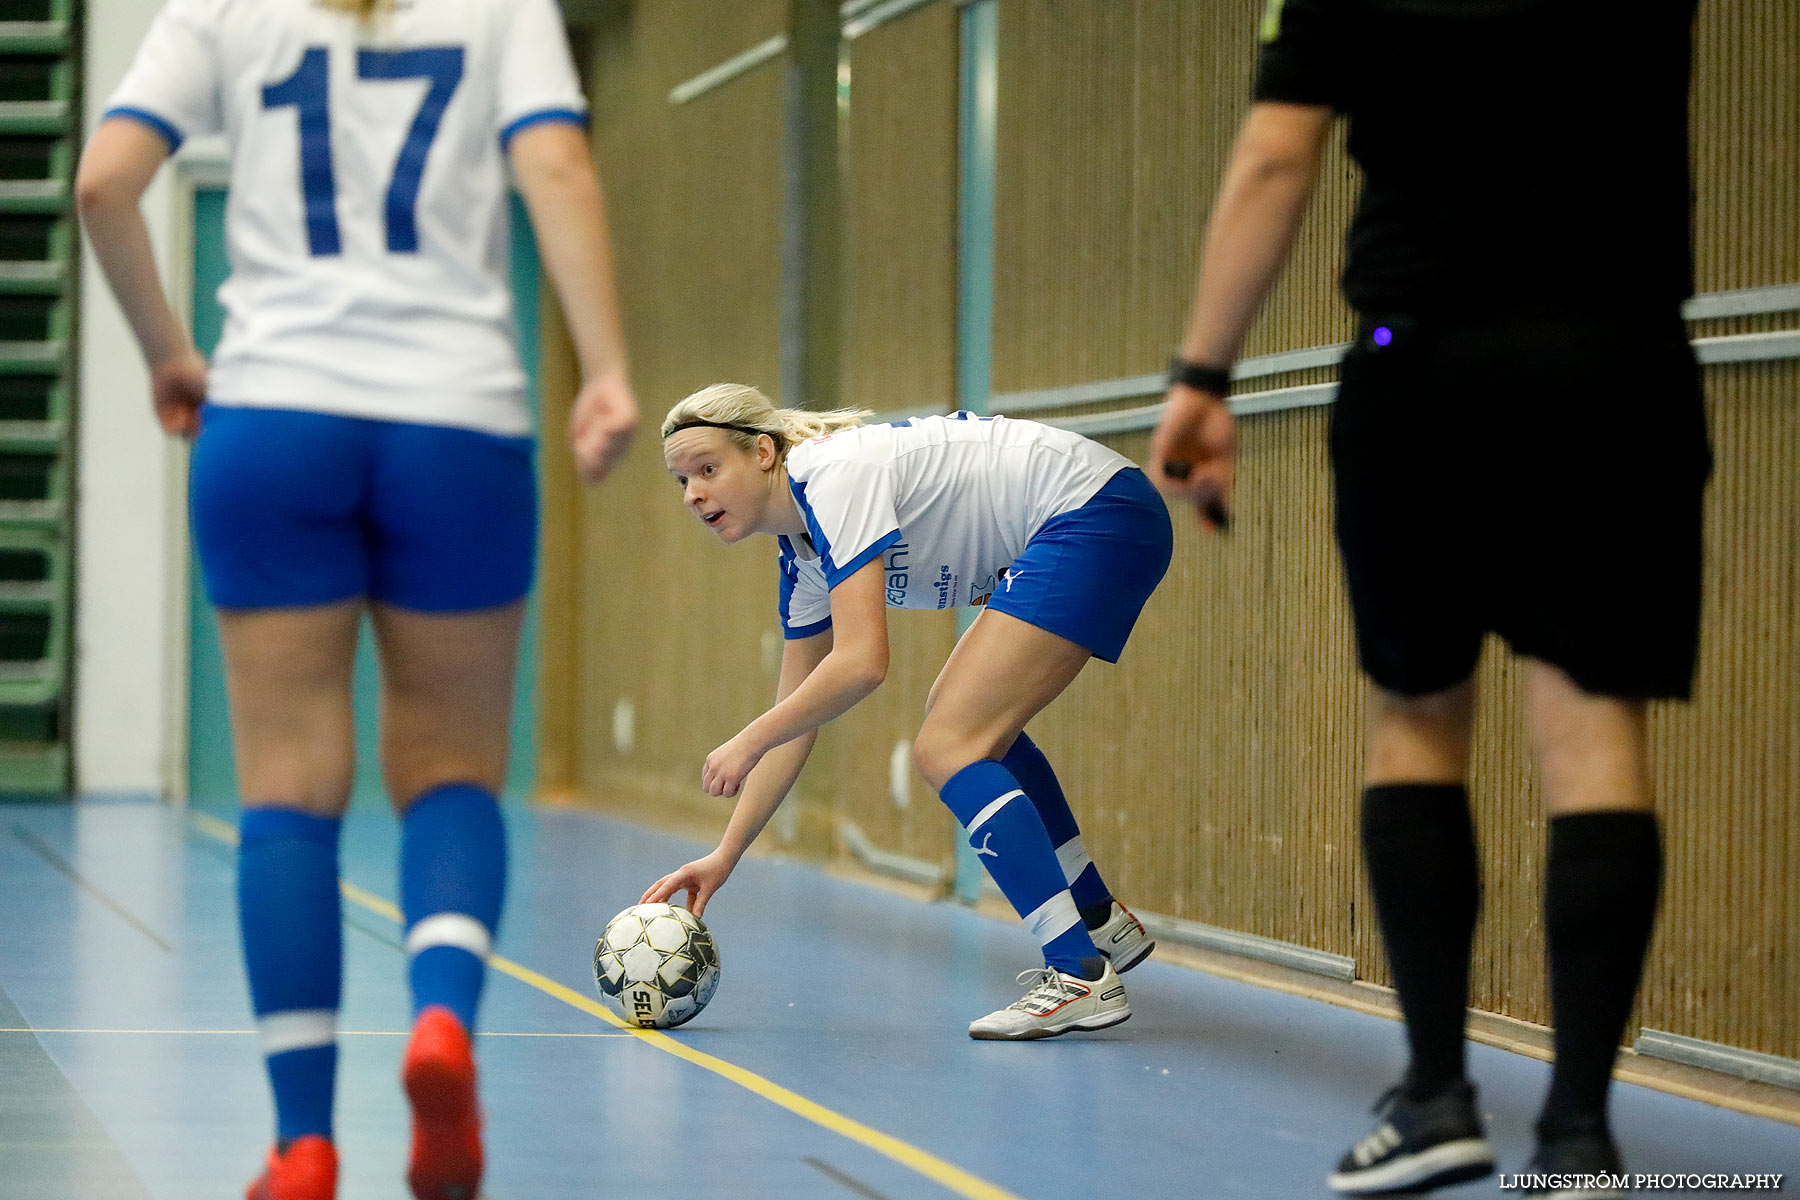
{"type": "Point", "coordinates": [743, 406]}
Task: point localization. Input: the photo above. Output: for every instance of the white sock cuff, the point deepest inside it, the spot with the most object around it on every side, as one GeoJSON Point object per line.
{"type": "Point", "coordinates": [296, 1029]}
{"type": "Point", "coordinates": [1074, 858]}
{"type": "Point", "coordinates": [1053, 918]}
{"type": "Point", "coordinates": [450, 929]}
{"type": "Point", "coordinates": [993, 808]}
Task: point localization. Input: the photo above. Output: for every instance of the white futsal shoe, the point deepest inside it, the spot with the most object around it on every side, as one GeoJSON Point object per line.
{"type": "Point", "coordinates": [1055, 1004]}
{"type": "Point", "coordinates": [1123, 939]}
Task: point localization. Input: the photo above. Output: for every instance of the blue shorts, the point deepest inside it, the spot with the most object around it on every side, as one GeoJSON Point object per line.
{"type": "Point", "coordinates": [1086, 575]}
{"type": "Point", "coordinates": [300, 508]}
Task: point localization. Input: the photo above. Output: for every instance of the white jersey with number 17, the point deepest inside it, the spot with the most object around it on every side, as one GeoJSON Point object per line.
{"type": "Point", "coordinates": [367, 218]}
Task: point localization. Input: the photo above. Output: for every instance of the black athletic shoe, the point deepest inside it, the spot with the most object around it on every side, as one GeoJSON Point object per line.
{"type": "Point", "coordinates": [1419, 1145]}
{"type": "Point", "coordinates": [1582, 1166]}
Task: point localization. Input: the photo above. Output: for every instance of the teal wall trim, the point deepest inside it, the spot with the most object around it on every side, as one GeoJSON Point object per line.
{"type": "Point", "coordinates": [975, 206]}
{"type": "Point", "coordinates": [211, 782]}
{"type": "Point", "coordinates": [526, 273]}
{"type": "Point", "coordinates": [976, 121]}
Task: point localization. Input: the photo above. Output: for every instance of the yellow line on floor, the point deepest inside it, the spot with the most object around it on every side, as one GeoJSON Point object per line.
{"type": "Point", "coordinates": [212, 827]}
{"type": "Point", "coordinates": [948, 1175]}
{"type": "Point", "coordinates": [613, 1034]}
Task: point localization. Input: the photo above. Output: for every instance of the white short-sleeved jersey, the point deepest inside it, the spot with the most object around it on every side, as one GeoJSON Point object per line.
{"type": "Point", "coordinates": [945, 502]}
{"type": "Point", "coordinates": [367, 220]}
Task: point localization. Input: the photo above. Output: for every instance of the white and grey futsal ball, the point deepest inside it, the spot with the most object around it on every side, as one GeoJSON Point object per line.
{"type": "Point", "coordinates": [656, 965]}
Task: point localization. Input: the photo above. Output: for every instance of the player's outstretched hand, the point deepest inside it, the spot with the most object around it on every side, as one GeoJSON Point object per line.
{"type": "Point", "coordinates": [1193, 454]}
{"type": "Point", "coordinates": [699, 879]}
{"type": "Point", "coordinates": [177, 390]}
{"type": "Point", "coordinates": [601, 423]}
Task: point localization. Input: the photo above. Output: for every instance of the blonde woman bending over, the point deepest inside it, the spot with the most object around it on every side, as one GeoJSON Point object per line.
{"type": "Point", "coordinates": [1059, 540]}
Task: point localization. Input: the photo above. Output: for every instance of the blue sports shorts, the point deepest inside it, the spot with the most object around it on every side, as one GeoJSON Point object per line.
{"type": "Point", "coordinates": [300, 508]}
{"type": "Point", "coordinates": [1086, 574]}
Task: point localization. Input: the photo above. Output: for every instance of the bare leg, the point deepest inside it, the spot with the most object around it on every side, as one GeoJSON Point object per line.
{"type": "Point", "coordinates": [446, 697]}
{"type": "Point", "coordinates": [1002, 673]}
{"type": "Point", "coordinates": [1421, 739]}
{"type": "Point", "coordinates": [287, 672]}
{"type": "Point", "coordinates": [1590, 748]}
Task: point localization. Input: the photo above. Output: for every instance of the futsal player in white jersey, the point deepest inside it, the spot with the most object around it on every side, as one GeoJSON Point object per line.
{"type": "Point", "coordinates": [362, 443]}
{"type": "Point", "coordinates": [1059, 540]}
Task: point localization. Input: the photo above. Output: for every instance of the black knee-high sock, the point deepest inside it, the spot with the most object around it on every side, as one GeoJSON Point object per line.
{"type": "Point", "coordinates": [1600, 893]}
{"type": "Point", "coordinates": [1426, 877]}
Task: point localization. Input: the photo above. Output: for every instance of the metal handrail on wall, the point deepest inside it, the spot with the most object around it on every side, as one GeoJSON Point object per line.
{"type": "Point", "coordinates": [1729, 348]}
{"type": "Point", "coordinates": [858, 17]}
{"type": "Point", "coordinates": [1041, 404]}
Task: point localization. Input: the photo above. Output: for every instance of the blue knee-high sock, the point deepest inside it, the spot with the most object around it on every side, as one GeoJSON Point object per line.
{"type": "Point", "coordinates": [293, 954]}
{"type": "Point", "coordinates": [1006, 831]}
{"type": "Point", "coordinates": [1029, 766]}
{"type": "Point", "coordinates": [452, 885]}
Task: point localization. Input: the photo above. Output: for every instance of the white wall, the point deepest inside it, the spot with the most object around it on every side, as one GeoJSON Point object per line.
{"type": "Point", "coordinates": [132, 592]}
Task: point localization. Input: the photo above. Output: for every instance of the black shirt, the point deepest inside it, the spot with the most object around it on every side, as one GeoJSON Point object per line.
{"type": "Point", "coordinates": [1514, 151]}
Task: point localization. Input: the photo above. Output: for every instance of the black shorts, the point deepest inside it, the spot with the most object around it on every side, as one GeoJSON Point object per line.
{"type": "Point", "coordinates": [1539, 476]}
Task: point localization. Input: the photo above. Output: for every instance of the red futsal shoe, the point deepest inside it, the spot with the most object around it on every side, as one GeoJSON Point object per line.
{"type": "Point", "coordinates": [439, 1075]}
{"type": "Point", "coordinates": [308, 1171]}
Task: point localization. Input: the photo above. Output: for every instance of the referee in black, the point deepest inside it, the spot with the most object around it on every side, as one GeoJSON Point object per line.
{"type": "Point", "coordinates": [1519, 447]}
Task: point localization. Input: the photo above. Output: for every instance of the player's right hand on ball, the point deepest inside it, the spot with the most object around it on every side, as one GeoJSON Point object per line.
{"type": "Point", "coordinates": [699, 879]}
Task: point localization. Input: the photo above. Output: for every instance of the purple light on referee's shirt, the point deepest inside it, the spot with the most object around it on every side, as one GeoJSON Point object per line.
{"type": "Point", "coordinates": [1382, 335]}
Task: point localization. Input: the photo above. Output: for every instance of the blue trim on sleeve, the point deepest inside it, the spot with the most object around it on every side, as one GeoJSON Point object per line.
{"type": "Point", "coordinates": [170, 134]}
{"type": "Point", "coordinates": [821, 544]}
{"type": "Point", "coordinates": [837, 575]}
{"type": "Point", "coordinates": [567, 116]}
{"type": "Point", "coordinates": [789, 577]}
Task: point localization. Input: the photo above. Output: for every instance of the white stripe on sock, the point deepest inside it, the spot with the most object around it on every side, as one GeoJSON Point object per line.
{"type": "Point", "coordinates": [1074, 858]}
{"type": "Point", "coordinates": [296, 1029]}
{"type": "Point", "coordinates": [1053, 918]}
{"type": "Point", "coordinates": [993, 808]}
{"type": "Point", "coordinates": [450, 929]}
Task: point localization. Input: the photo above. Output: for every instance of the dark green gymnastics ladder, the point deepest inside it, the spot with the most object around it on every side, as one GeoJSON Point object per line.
{"type": "Point", "coordinates": [39, 119]}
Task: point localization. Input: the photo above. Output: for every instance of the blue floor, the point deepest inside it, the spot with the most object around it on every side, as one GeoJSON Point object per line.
{"type": "Point", "coordinates": [138, 1078]}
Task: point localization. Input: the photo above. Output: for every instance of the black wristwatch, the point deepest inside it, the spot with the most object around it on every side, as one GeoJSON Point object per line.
{"type": "Point", "coordinates": [1199, 376]}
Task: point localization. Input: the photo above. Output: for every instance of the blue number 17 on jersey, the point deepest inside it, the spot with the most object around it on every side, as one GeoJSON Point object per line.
{"type": "Point", "coordinates": [308, 91]}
